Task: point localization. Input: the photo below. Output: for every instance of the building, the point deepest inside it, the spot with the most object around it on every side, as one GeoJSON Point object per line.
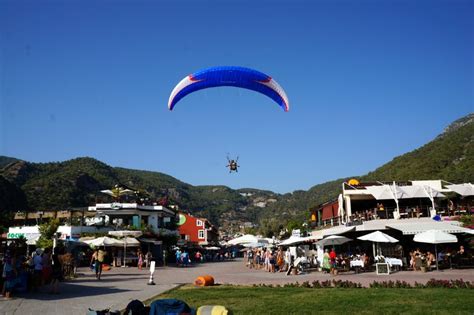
{"type": "Point", "coordinates": [363, 201]}
{"type": "Point", "coordinates": [196, 231]}
{"type": "Point", "coordinates": [158, 219]}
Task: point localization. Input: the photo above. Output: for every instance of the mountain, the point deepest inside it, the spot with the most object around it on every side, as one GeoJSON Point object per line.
{"type": "Point", "coordinates": [77, 183]}
{"type": "Point", "coordinates": [5, 160]}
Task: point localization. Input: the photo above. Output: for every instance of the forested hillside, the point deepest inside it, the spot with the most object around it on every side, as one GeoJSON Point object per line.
{"type": "Point", "coordinates": [77, 183]}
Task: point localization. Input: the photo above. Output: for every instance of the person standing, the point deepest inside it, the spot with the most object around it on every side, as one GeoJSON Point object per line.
{"type": "Point", "coordinates": [38, 269]}
{"type": "Point", "coordinates": [9, 273]}
{"type": "Point", "coordinates": [332, 257]}
{"type": "Point", "coordinates": [140, 259]}
{"type": "Point", "coordinates": [56, 275]}
{"type": "Point", "coordinates": [326, 261]}
{"type": "Point", "coordinates": [178, 257]}
{"type": "Point", "coordinates": [148, 258]}
{"type": "Point", "coordinates": [47, 269]}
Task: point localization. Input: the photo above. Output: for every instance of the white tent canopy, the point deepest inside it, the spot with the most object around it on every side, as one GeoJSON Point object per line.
{"type": "Point", "coordinates": [293, 240]}
{"type": "Point", "coordinates": [104, 241]}
{"type": "Point", "coordinates": [465, 189]}
{"type": "Point", "coordinates": [435, 237]}
{"type": "Point", "coordinates": [245, 239]}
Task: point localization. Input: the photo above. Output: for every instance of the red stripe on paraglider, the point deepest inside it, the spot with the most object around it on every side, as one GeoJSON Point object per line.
{"type": "Point", "coordinates": [192, 78]}
{"type": "Point", "coordinates": [266, 80]}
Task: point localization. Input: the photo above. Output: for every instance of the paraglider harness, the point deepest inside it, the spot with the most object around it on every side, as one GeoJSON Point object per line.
{"type": "Point", "coordinates": [232, 165]}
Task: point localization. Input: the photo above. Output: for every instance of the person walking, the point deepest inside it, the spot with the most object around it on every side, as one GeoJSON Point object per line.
{"type": "Point", "coordinates": [97, 260]}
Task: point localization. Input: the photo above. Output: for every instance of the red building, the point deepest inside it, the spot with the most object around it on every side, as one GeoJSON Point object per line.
{"type": "Point", "coordinates": [325, 213]}
{"type": "Point", "coordinates": [196, 231]}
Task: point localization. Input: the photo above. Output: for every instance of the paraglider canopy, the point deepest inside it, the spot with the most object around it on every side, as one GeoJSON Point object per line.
{"type": "Point", "coordinates": [229, 76]}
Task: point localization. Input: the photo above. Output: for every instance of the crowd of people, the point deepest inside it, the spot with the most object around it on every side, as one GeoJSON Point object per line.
{"type": "Point", "coordinates": [185, 257]}
{"type": "Point", "coordinates": [269, 259]}
{"type": "Point", "coordinates": [23, 273]}
{"type": "Point", "coordinates": [446, 258]}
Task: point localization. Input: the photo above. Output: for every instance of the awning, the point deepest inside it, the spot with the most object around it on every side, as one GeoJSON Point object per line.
{"type": "Point", "coordinates": [466, 189]}
{"type": "Point", "coordinates": [150, 240]}
{"type": "Point", "coordinates": [419, 227]}
{"type": "Point", "coordinates": [338, 230]}
{"type": "Point", "coordinates": [421, 192]}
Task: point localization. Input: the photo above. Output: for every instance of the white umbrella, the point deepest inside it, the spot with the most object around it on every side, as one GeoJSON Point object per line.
{"type": "Point", "coordinates": [377, 237]}
{"type": "Point", "coordinates": [293, 240]}
{"type": "Point", "coordinates": [127, 240]}
{"type": "Point", "coordinates": [104, 241]}
{"type": "Point", "coordinates": [435, 237]}
{"type": "Point", "coordinates": [245, 239]}
{"type": "Point", "coordinates": [333, 240]}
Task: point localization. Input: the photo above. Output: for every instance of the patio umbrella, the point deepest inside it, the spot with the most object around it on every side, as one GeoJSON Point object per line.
{"type": "Point", "coordinates": [127, 240]}
{"type": "Point", "coordinates": [333, 240]}
{"type": "Point", "coordinates": [435, 237]}
{"type": "Point", "coordinates": [377, 237]}
{"type": "Point", "coordinates": [245, 239]}
{"type": "Point", "coordinates": [293, 240]}
{"type": "Point", "coordinates": [104, 241]}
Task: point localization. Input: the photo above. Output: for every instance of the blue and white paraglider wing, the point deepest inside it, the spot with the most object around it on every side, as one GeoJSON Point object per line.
{"type": "Point", "coordinates": [229, 76]}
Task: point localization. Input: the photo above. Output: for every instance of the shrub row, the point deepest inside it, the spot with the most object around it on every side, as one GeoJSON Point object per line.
{"type": "Point", "coordinates": [432, 283]}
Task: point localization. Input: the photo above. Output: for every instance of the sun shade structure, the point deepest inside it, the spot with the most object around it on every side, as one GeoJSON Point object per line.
{"type": "Point", "coordinates": [104, 241]}
{"type": "Point", "coordinates": [411, 228]}
{"type": "Point", "coordinates": [395, 192]}
{"type": "Point", "coordinates": [127, 241]}
{"type": "Point", "coordinates": [333, 240]}
{"type": "Point", "coordinates": [377, 237]}
{"type": "Point", "coordinates": [294, 240]}
{"type": "Point", "coordinates": [466, 189]}
{"type": "Point", "coordinates": [246, 239]}
{"type": "Point", "coordinates": [435, 237]}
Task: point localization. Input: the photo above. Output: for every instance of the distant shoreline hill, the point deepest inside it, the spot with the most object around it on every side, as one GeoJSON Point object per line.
{"type": "Point", "coordinates": [77, 183]}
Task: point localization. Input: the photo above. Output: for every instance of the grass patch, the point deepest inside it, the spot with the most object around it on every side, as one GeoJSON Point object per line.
{"type": "Point", "coordinates": [262, 300]}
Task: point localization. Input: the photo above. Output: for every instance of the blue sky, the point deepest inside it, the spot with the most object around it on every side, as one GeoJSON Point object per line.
{"type": "Point", "coordinates": [367, 81]}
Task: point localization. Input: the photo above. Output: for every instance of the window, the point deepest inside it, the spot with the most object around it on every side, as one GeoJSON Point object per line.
{"type": "Point", "coordinates": [198, 223]}
{"type": "Point", "coordinates": [201, 234]}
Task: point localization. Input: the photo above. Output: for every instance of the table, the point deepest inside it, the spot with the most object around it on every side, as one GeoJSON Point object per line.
{"type": "Point", "coordinates": [394, 262]}
{"type": "Point", "coordinates": [357, 264]}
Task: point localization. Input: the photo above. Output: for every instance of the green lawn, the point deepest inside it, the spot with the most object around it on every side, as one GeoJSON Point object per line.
{"type": "Point", "coordinates": [261, 300]}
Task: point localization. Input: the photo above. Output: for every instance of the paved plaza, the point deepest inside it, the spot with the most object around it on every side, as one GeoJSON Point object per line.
{"type": "Point", "coordinates": [121, 285]}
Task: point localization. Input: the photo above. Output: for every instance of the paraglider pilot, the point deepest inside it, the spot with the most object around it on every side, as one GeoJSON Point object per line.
{"type": "Point", "coordinates": [232, 165]}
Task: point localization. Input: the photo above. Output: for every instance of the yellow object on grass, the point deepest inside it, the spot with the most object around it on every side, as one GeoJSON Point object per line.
{"type": "Point", "coordinates": [212, 310]}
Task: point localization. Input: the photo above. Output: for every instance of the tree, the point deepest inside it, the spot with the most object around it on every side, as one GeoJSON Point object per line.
{"type": "Point", "coordinates": [47, 231]}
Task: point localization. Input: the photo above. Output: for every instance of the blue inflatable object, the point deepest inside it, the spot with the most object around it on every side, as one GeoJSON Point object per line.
{"type": "Point", "coordinates": [229, 76]}
{"type": "Point", "coordinates": [170, 307]}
